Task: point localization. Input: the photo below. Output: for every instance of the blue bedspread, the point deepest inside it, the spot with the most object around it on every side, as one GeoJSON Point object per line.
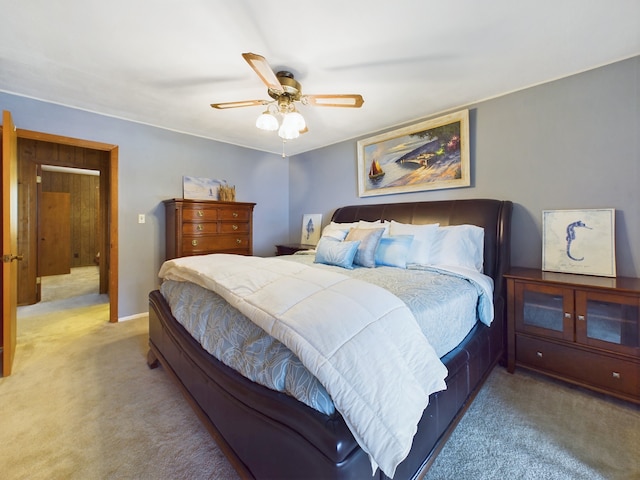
{"type": "Point", "coordinates": [445, 307]}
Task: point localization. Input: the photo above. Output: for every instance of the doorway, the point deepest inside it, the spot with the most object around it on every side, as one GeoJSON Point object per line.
{"type": "Point", "coordinates": [36, 149]}
{"type": "Point", "coordinates": [69, 233]}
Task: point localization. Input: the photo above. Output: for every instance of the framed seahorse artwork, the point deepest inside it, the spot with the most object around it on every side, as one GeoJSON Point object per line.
{"type": "Point", "coordinates": [579, 241]}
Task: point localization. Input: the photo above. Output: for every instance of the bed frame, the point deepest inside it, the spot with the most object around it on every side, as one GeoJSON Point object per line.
{"type": "Point", "coordinates": [268, 435]}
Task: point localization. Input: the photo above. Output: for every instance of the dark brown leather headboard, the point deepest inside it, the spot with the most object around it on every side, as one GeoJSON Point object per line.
{"type": "Point", "coordinates": [493, 215]}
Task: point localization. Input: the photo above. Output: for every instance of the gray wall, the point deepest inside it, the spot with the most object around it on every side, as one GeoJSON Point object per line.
{"type": "Point", "coordinates": [572, 143]}
{"type": "Point", "coordinates": [151, 164]}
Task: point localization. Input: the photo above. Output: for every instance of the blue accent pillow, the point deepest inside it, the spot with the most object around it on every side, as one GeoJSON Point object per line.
{"type": "Point", "coordinates": [393, 251]}
{"type": "Point", "coordinates": [331, 251]}
{"type": "Point", "coordinates": [369, 239]}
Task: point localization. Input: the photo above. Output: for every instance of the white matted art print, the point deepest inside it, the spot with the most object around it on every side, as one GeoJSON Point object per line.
{"type": "Point", "coordinates": [197, 188]}
{"type": "Point", "coordinates": [311, 228]}
{"type": "Point", "coordinates": [579, 241]}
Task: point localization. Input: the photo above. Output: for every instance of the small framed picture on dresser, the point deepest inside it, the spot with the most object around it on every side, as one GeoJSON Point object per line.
{"type": "Point", "coordinates": [198, 188]}
{"type": "Point", "coordinates": [311, 228]}
{"type": "Point", "coordinates": [579, 241]}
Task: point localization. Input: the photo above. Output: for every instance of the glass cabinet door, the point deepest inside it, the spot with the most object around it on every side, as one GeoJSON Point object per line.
{"type": "Point", "coordinates": [608, 321]}
{"type": "Point", "coordinates": [544, 310]}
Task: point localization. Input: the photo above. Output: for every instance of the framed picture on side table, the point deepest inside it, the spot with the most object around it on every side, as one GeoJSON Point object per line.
{"type": "Point", "coordinates": [579, 241]}
{"type": "Point", "coordinates": [311, 228]}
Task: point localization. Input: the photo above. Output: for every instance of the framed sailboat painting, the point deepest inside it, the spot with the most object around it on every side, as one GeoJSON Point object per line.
{"type": "Point", "coordinates": [429, 155]}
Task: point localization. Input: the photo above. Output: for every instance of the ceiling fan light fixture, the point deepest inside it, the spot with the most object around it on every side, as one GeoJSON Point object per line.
{"type": "Point", "coordinates": [296, 119]}
{"type": "Point", "coordinates": [267, 121]}
{"type": "Point", "coordinates": [285, 90]}
{"type": "Point", "coordinates": [289, 128]}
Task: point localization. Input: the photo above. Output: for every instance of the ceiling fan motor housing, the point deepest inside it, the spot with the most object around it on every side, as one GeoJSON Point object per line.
{"type": "Point", "coordinates": [292, 88]}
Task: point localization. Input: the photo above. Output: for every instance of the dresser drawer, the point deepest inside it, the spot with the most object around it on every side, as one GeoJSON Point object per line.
{"type": "Point", "coordinates": [199, 228]}
{"type": "Point", "coordinates": [199, 213]}
{"type": "Point", "coordinates": [206, 244]}
{"type": "Point", "coordinates": [582, 366]}
{"type": "Point", "coordinates": [234, 227]}
{"type": "Point", "coordinates": [240, 214]}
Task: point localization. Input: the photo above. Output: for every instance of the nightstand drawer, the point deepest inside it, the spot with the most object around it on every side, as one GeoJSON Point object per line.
{"type": "Point", "coordinates": [581, 366]}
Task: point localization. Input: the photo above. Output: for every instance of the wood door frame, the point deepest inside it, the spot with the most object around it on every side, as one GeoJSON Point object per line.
{"type": "Point", "coordinates": [110, 189]}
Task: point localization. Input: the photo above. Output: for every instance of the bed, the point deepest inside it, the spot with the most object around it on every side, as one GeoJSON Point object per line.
{"type": "Point", "coordinates": [270, 434]}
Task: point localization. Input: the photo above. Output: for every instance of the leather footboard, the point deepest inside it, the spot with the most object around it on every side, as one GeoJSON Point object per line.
{"type": "Point", "coordinates": [267, 434]}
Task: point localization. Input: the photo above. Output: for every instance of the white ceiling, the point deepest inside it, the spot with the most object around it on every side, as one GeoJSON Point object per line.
{"type": "Point", "coordinates": [162, 62]}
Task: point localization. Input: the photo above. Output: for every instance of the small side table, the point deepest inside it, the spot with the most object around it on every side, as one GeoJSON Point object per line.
{"type": "Point", "coordinates": [578, 328]}
{"type": "Point", "coordinates": [291, 248]}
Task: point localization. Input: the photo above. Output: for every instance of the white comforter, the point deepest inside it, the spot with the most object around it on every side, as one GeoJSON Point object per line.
{"type": "Point", "coordinates": [359, 340]}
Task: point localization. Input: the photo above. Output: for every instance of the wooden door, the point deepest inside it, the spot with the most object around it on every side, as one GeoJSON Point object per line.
{"type": "Point", "coordinates": [9, 241]}
{"type": "Point", "coordinates": [54, 240]}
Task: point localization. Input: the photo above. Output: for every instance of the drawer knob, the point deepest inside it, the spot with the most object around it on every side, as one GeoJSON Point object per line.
{"type": "Point", "coordinates": [200, 227]}
{"type": "Point", "coordinates": [194, 243]}
{"type": "Point", "coordinates": [616, 375]}
{"type": "Point", "coordinates": [235, 227]}
{"type": "Point", "coordinates": [581, 318]}
{"type": "Point", "coordinates": [567, 315]}
{"type": "Point", "coordinates": [235, 214]}
{"type": "Point", "coordinates": [238, 241]}
{"type": "Point", "coordinates": [539, 354]}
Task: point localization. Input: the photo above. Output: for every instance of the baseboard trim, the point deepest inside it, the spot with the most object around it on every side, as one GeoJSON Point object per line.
{"type": "Point", "coordinates": [133, 317]}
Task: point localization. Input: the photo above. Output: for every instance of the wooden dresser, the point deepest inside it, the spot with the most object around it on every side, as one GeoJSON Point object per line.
{"type": "Point", "coordinates": [196, 227]}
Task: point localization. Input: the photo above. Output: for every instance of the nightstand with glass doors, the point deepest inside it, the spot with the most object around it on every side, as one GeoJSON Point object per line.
{"type": "Point", "coordinates": [581, 329]}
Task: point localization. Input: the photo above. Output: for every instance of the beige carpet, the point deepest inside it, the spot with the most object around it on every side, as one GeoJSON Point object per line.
{"type": "Point", "coordinates": [80, 281]}
{"type": "Point", "coordinates": [82, 404]}
{"type": "Point", "coordinates": [528, 427]}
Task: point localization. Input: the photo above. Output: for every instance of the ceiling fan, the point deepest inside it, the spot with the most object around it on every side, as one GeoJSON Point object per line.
{"type": "Point", "coordinates": [285, 90]}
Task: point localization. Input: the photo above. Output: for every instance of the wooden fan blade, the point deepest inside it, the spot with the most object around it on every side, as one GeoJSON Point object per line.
{"type": "Point", "coordinates": [264, 71]}
{"type": "Point", "coordinates": [346, 100]}
{"type": "Point", "coordinates": [244, 103]}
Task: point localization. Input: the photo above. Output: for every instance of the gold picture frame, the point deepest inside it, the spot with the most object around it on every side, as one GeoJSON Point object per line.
{"type": "Point", "coordinates": [429, 155]}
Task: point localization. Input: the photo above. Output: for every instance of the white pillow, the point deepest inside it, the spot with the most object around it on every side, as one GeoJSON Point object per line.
{"type": "Point", "coordinates": [338, 230]}
{"type": "Point", "coordinates": [424, 236]}
{"type": "Point", "coordinates": [459, 245]}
